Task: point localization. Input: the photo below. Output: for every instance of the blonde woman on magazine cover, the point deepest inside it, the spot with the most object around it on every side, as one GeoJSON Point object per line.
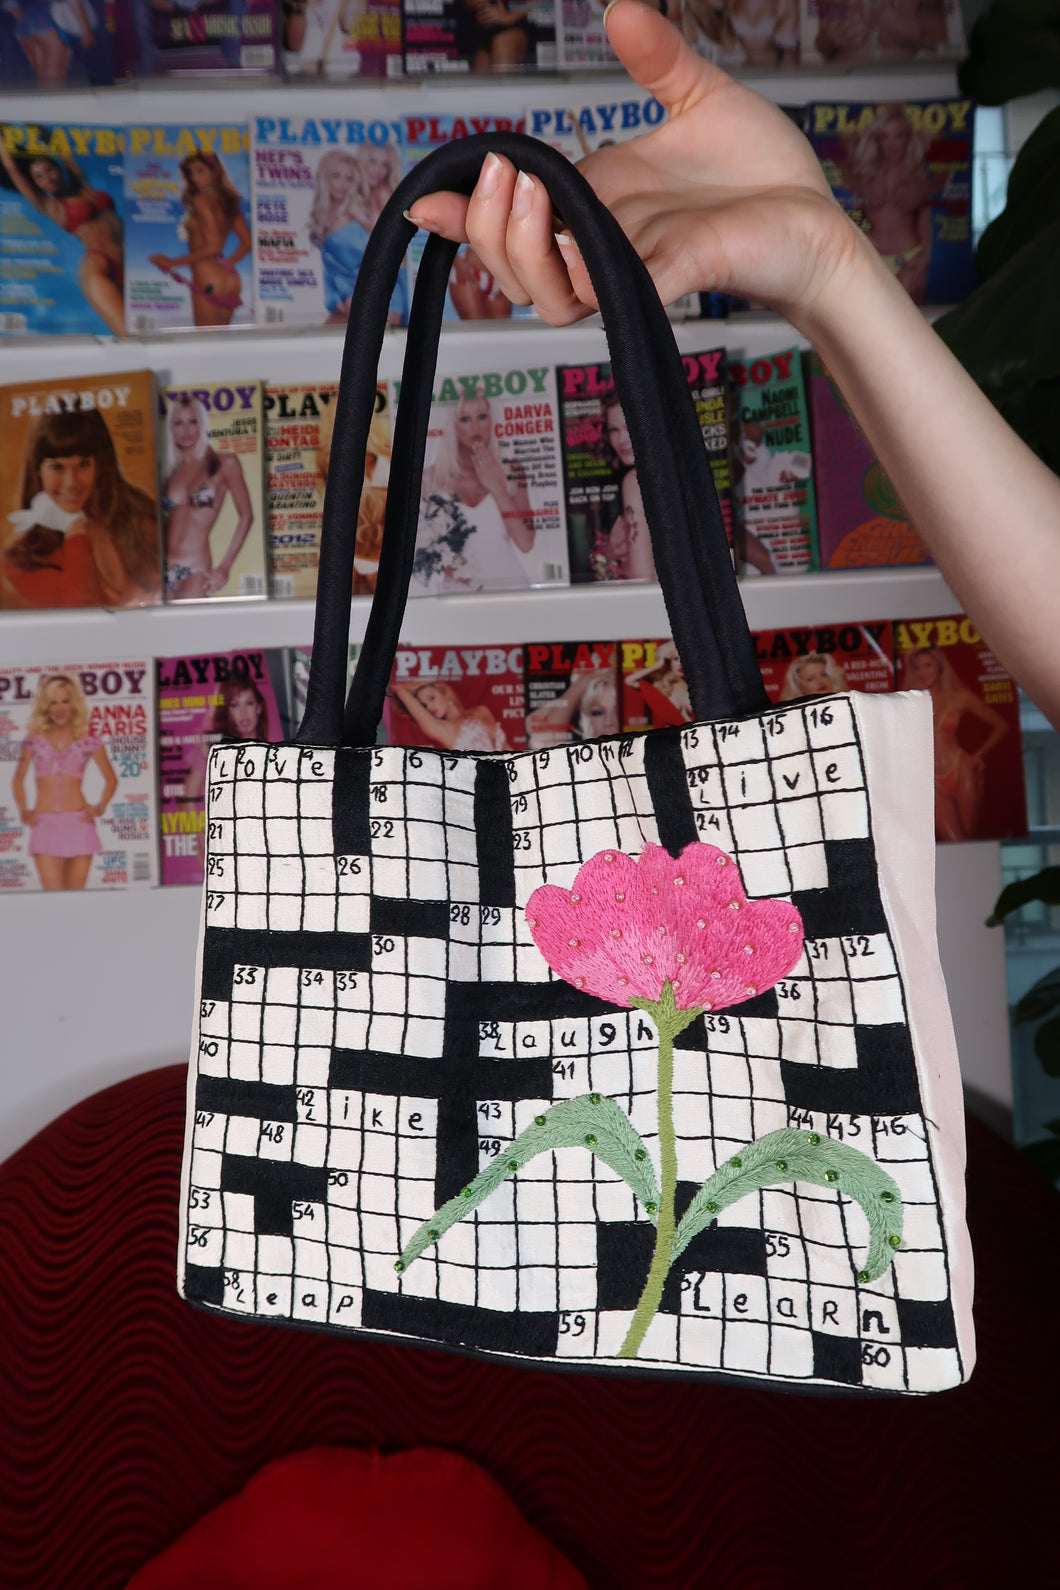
{"type": "Point", "coordinates": [213, 211]}
{"type": "Point", "coordinates": [587, 710]}
{"type": "Point", "coordinates": [198, 481]}
{"type": "Point", "coordinates": [58, 747]}
{"type": "Point", "coordinates": [479, 499]}
{"type": "Point", "coordinates": [352, 186]}
{"type": "Point", "coordinates": [57, 189]}
{"type": "Point", "coordinates": [728, 196]}
{"type": "Point", "coordinates": [888, 176]}
{"type": "Point", "coordinates": [816, 674]}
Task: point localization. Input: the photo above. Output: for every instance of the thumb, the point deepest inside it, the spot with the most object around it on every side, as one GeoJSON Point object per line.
{"type": "Point", "coordinates": [656, 56]}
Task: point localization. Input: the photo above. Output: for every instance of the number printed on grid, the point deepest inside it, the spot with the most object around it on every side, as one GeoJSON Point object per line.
{"type": "Point", "coordinates": [377, 1025]}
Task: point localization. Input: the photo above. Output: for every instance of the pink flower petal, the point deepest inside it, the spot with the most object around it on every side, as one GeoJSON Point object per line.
{"type": "Point", "coordinates": [627, 927]}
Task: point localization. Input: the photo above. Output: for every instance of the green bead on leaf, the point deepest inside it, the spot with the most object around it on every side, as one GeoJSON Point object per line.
{"type": "Point", "coordinates": [759, 1165]}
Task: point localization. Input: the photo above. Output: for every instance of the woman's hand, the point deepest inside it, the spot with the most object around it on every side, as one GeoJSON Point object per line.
{"type": "Point", "coordinates": [726, 196]}
{"type": "Point", "coordinates": [215, 581]}
{"type": "Point", "coordinates": [490, 470]}
{"type": "Point", "coordinates": [29, 819]}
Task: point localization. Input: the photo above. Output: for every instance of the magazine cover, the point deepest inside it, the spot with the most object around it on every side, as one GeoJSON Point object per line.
{"type": "Point", "coordinates": [55, 43]}
{"type": "Point", "coordinates": [62, 245]}
{"type": "Point", "coordinates": [341, 38]}
{"type": "Point", "coordinates": [298, 427]}
{"type": "Point", "coordinates": [707, 375]}
{"type": "Point", "coordinates": [457, 698]}
{"type": "Point", "coordinates": [478, 36]}
{"type": "Point", "coordinates": [860, 521]}
{"type": "Point", "coordinates": [77, 776]}
{"type": "Point", "coordinates": [581, 127]}
{"type": "Point", "coordinates": [473, 293]}
{"type": "Point", "coordinates": [903, 173]}
{"type": "Point", "coordinates": [854, 32]}
{"type": "Point", "coordinates": [299, 423]}
{"type": "Point", "coordinates": [78, 510]}
{"type": "Point", "coordinates": [227, 695]}
{"type": "Point", "coordinates": [654, 688]}
{"type": "Point", "coordinates": [213, 518]}
{"type": "Point", "coordinates": [740, 34]}
{"type": "Point", "coordinates": [581, 37]}
{"type": "Point", "coordinates": [572, 692]}
{"type": "Point", "coordinates": [187, 218]}
{"type": "Point", "coordinates": [819, 660]}
{"type": "Point", "coordinates": [979, 781]}
{"type": "Point", "coordinates": [491, 498]}
{"type": "Point", "coordinates": [319, 188]}
{"type": "Point", "coordinates": [174, 38]}
{"type": "Point", "coordinates": [607, 532]}
{"type": "Point", "coordinates": [772, 465]}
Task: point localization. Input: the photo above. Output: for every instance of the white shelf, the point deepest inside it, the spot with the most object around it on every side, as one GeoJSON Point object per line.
{"type": "Point", "coordinates": [583, 612]}
{"type": "Point", "coordinates": [163, 100]}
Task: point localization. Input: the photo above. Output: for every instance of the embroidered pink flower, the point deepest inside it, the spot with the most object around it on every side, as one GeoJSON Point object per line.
{"type": "Point", "coordinates": [625, 928]}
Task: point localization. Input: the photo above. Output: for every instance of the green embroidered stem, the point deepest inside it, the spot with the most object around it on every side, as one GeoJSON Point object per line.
{"type": "Point", "coordinates": [670, 1021]}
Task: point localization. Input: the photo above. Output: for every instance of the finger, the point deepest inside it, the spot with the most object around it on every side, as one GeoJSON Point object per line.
{"type": "Point", "coordinates": [577, 271]}
{"type": "Point", "coordinates": [444, 213]}
{"type": "Point", "coordinates": [657, 57]}
{"type": "Point", "coordinates": [488, 214]}
{"type": "Point", "coordinates": [536, 260]}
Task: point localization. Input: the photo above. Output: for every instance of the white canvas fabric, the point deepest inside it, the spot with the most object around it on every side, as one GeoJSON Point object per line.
{"type": "Point", "coordinates": [379, 1030]}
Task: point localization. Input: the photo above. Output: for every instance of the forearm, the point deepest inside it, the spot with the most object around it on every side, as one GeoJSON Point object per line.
{"type": "Point", "coordinates": [987, 507]}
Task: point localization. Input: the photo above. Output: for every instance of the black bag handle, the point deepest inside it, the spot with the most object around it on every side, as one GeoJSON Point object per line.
{"type": "Point", "coordinates": [691, 553]}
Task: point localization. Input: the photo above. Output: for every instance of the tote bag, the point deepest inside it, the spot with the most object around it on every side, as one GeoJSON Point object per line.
{"type": "Point", "coordinates": [628, 1055]}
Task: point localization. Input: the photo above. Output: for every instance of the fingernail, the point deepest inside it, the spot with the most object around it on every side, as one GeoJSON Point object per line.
{"type": "Point", "coordinates": [523, 196]}
{"type": "Point", "coordinates": [425, 226]}
{"type": "Point", "coordinates": [489, 176]}
{"type": "Point", "coordinates": [564, 240]}
{"type": "Point", "coordinates": [608, 10]}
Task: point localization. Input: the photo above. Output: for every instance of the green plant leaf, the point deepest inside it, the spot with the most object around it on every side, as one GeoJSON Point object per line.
{"type": "Point", "coordinates": [1044, 886]}
{"type": "Point", "coordinates": [789, 1156]}
{"type": "Point", "coordinates": [1047, 1045]}
{"type": "Point", "coordinates": [1039, 1000]}
{"type": "Point", "coordinates": [591, 1122]}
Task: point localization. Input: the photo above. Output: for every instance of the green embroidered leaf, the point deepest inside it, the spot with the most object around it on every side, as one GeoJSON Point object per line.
{"type": "Point", "coordinates": [591, 1122]}
{"type": "Point", "coordinates": [790, 1156]}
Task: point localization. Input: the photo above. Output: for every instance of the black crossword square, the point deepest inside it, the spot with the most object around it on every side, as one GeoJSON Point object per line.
{"type": "Point", "coordinates": [202, 1285]}
{"type": "Point", "coordinates": [837, 1358]}
{"type": "Point", "coordinates": [926, 1324]}
{"type": "Point", "coordinates": [461, 1324]}
{"type": "Point", "coordinates": [851, 903]}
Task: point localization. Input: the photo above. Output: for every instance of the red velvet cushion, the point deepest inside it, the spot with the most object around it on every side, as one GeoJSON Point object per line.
{"type": "Point", "coordinates": [336, 1519]}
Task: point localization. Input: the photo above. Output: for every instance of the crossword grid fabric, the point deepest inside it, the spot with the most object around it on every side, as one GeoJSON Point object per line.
{"type": "Point", "coordinates": [376, 1024]}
